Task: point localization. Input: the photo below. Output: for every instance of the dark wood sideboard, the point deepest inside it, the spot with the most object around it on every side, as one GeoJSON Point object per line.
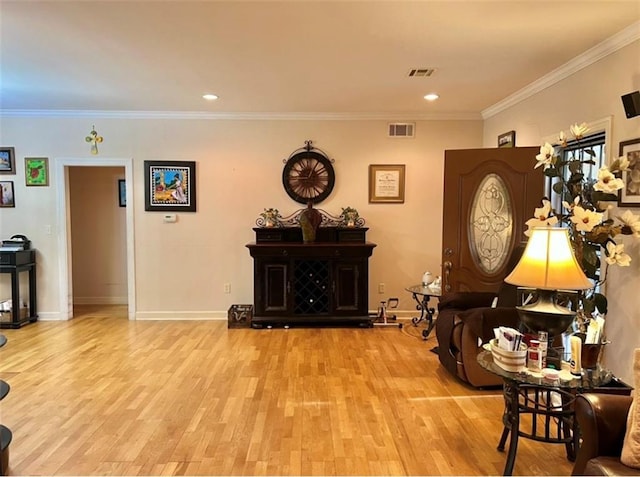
{"type": "Point", "coordinates": [324, 282]}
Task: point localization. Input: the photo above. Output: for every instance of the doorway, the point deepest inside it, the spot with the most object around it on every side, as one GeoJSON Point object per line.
{"type": "Point", "coordinates": [65, 242]}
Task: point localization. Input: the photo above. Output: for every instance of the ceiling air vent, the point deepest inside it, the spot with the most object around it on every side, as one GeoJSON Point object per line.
{"type": "Point", "coordinates": [421, 72]}
{"type": "Point", "coordinates": [401, 129]}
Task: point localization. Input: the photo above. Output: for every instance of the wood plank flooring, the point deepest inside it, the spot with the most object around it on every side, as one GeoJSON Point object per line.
{"type": "Point", "coordinates": [101, 395]}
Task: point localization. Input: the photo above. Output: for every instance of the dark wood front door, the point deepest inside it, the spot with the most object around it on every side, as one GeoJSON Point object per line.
{"type": "Point", "coordinates": [488, 196]}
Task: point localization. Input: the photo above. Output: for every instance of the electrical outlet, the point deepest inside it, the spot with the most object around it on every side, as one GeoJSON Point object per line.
{"type": "Point", "coordinates": [380, 287]}
{"type": "Point", "coordinates": [227, 287]}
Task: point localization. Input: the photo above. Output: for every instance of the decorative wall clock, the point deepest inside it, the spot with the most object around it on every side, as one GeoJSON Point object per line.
{"type": "Point", "coordinates": [308, 175]}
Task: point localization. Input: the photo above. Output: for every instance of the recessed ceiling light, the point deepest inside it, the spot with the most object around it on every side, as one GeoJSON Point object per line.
{"type": "Point", "coordinates": [431, 96]}
{"type": "Point", "coordinates": [210, 97]}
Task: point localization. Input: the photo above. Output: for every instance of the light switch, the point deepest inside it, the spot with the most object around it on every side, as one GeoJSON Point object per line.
{"type": "Point", "coordinates": [169, 218]}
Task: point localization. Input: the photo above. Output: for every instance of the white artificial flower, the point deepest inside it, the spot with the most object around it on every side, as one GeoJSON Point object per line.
{"type": "Point", "coordinates": [546, 156]}
{"type": "Point", "coordinates": [541, 218]}
{"type": "Point", "coordinates": [616, 256]}
{"type": "Point", "coordinates": [619, 164]}
{"type": "Point", "coordinates": [569, 206]}
{"type": "Point", "coordinates": [562, 139]}
{"type": "Point", "coordinates": [585, 220]}
{"type": "Point", "coordinates": [607, 182]}
{"type": "Point", "coordinates": [631, 220]}
{"type": "Point", "coordinates": [579, 130]}
{"type": "Point", "coordinates": [544, 211]}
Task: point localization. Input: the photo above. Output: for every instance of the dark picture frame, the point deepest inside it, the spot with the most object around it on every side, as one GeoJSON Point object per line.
{"type": "Point", "coordinates": [386, 183]}
{"type": "Point", "coordinates": [122, 193]}
{"type": "Point", "coordinates": [170, 186]}
{"type": "Point", "coordinates": [507, 139]}
{"type": "Point", "coordinates": [629, 195]}
{"type": "Point", "coordinates": [7, 160]}
{"type": "Point", "coordinates": [36, 171]}
{"type": "Point", "coordinates": [7, 194]}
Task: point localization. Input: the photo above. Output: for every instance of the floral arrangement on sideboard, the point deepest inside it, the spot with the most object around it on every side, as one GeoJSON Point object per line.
{"type": "Point", "coordinates": [349, 216]}
{"type": "Point", "coordinates": [585, 211]}
{"type": "Point", "coordinates": [270, 218]}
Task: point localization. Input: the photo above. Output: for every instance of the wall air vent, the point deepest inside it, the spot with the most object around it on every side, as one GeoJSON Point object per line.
{"type": "Point", "coordinates": [401, 129]}
{"type": "Point", "coordinates": [421, 72]}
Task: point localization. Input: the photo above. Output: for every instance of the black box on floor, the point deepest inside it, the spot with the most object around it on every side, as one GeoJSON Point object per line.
{"type": "Point", "coordinates": [239, 316]}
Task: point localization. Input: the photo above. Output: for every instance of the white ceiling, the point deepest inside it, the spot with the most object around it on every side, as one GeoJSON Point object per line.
{"type": "Point", "coordinates": [298, 57]}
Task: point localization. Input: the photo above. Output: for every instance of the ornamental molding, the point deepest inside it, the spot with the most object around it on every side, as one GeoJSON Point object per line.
{"type": "Point", "coordinates": [592, 55]}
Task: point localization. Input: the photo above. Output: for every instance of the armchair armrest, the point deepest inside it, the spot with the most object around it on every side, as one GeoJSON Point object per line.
{"type": "Point", "coordinates": [465, 300]}
{"type": "Point", "coordinates": [482, 321]}
{"type": "Point", "coordinates": [603, 421]}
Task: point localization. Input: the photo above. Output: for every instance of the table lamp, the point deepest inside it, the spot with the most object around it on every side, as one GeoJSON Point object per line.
{"type": "Point", "coordinates": [548, 265]}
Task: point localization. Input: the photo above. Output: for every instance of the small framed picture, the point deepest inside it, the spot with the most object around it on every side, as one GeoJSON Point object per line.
{"type": "Point", "coordinates": [386, 183]}
{"type": "Point", "coordinates": [7, 160]}
{"type": "Point", "coordinates": [629, 195]}
{"type": "Point", "coordinates": [122, 193]}
{"type": "Point", "coordinates": [170, 186]}
{"type": "Point", "coordinates": [507, 139]}
{"type": "Point", "coordinates": [36, 170]}
{"type": "Point", "coordinates": [7, 198]}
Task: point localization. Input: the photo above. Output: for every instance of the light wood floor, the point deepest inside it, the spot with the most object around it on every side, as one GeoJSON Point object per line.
{"type": "Point", "coordinates": [103, 395]}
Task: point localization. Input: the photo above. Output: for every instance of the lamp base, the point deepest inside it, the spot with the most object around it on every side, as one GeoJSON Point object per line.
{"type": "Point", "coordinates": [546, 315]}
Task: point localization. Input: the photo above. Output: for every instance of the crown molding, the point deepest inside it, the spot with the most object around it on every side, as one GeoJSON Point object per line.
{"type": "Point", "coordinates": [251, 116]}
{"type": "Point", "coordinates": [601, 50]}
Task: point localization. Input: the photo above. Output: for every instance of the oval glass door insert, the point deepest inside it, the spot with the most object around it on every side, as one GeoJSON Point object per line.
{"type": "Point", "coordinates": [491, 224]}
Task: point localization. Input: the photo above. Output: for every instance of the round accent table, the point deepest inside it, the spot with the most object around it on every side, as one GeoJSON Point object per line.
{"type": "Point", "coordinates": [422, 294]}
{"type": "Point", "coordinates": [543, 410]}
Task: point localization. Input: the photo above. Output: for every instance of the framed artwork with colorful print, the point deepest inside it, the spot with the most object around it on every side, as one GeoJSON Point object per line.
{"type": "Point", "coordinates": [36, 170]}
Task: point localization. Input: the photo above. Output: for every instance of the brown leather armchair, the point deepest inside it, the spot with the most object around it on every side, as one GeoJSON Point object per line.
{"type": "Point", "coordinates": [466, 321]}
{"type": "Point", "coordinates": [602, 419]}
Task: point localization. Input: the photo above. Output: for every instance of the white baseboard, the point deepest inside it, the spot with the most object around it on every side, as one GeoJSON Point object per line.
{"type": "Point", "coordinates": [181, 315]}
{"type": "Point", "coordinates": [188, 315]}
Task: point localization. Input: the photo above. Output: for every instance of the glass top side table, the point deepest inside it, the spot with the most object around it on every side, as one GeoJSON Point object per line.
{"type": "Point", "coordinates": [547, 404]}
{"type": "Point", "coordinates": [422, 294]}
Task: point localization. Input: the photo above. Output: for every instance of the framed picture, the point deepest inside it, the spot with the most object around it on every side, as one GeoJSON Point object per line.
{"type": "Point", "coordinates": [122, 193]}
{"type": "Point", "coordinates": [7, 198]}
{"type": "Point", "coordinates": [386, 183]}
{"type": "Point", "coordinates": [507, 139]}
{"type": "Point", "coordinates": [7, 160]}
{"type": "Point", "coordinates": [170, 186]}
{"type": "Point", "coordinates": [629, 195]}
{"type": "Point", "coordinates": [36, 170]}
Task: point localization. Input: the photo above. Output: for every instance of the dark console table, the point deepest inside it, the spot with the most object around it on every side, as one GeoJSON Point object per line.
{"type": "Point", "coordinates": [14, 262]}
{"type": "Point", "coordinates": [326, 281]}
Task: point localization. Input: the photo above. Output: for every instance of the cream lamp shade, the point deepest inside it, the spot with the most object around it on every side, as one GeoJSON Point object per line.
{"type": "Point", "coordinates": [548, 263]}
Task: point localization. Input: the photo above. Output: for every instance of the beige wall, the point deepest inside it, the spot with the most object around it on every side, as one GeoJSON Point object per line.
{"type": "Point", "coordinates": [181, 268]}
{"type": "Point", "coordinates": [591, 94]}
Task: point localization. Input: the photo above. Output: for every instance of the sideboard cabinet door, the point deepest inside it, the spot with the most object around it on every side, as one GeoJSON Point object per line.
{"type": "Point", "coordinates": [274, 287]}
{"type": "Point", "coordinates": [348, 296]}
